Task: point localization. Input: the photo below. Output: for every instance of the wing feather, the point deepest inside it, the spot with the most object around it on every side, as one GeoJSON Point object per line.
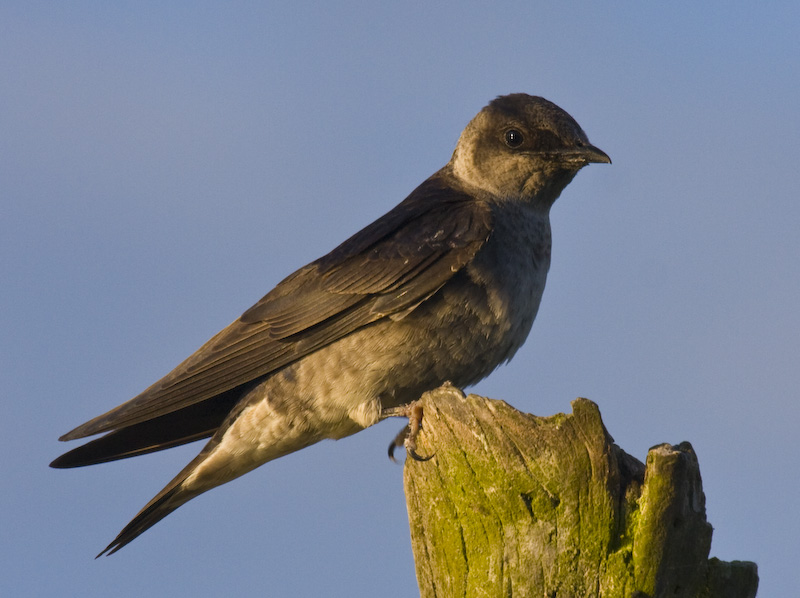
{"type": "Point", "coordinates": [392, 265]}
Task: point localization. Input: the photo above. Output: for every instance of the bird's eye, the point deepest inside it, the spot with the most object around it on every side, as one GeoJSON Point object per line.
{"type": "Point", "coordinates": [513, 138]}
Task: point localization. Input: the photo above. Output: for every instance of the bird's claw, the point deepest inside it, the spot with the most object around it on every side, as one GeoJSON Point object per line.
{"type": "Point", "coordinates": [416, 456]}
{"type": "Point", "coordinates": [407, 437]}
{"type": "Point", "coordinates": [399, 440]}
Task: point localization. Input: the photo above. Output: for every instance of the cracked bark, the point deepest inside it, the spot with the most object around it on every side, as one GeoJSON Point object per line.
{"type": "Point", "coordinates": [516, 505]}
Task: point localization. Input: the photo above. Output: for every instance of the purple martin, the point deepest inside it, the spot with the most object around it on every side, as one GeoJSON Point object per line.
{"type": "Point", "coordinates": [444, 287]}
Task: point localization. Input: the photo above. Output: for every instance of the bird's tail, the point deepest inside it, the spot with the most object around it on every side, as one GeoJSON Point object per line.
{"type": "Point", "coordinates": [172, 496]}
{"type": "Point", "coordinates": [211, 468]}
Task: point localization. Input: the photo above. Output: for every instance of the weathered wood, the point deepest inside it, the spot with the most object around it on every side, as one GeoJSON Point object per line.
{"type": "Point", "coordinates": [515, 505]}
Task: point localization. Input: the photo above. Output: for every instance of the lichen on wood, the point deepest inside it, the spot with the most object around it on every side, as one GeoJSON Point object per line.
{"type": "Point", "coordinates": [517, 505]}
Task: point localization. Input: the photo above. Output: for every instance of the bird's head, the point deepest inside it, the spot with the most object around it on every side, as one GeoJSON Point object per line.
{"type": "Point", "coordinates": [522, 147]}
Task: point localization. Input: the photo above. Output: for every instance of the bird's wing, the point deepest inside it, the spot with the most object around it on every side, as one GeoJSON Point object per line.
{"type": "Point", "coordinates": [390, 266]}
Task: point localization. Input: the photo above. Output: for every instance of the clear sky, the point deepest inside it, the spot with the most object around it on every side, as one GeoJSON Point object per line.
{"type": "Point", "coordinates": [163, 165]}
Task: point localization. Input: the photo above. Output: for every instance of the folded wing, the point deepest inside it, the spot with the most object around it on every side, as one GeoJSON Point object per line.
{"type": "Point", "coordinates": [387, 268]}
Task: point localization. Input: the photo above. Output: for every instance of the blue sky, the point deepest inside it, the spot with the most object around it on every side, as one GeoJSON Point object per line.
{"type": "Point", "coordinates": [162, 167]}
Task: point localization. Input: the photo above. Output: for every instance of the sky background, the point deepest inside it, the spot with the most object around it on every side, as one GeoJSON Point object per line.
{"type": "Point", "coordinates": [163, 165]}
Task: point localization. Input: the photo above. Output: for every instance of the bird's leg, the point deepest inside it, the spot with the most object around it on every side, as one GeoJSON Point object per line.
{"type": "Point", "coordinates": [408, 435]}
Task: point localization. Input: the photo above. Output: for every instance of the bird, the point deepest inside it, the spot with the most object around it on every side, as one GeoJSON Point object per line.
{"type": "Point", "coordinates": [442, 288]}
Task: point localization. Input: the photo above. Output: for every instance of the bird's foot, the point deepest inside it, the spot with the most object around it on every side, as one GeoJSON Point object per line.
{"type": "Point", "coordinates": [407, 437]}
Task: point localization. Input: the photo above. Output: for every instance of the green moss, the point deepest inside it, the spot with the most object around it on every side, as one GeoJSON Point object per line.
{"type": "Point", "coordinates": [515, 505]}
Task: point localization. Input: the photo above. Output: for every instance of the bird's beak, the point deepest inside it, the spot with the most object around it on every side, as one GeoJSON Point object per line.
{"type": "Point", "coordinates": [595, 154]}
{"type": "Point", "coordinates": [579, 156]}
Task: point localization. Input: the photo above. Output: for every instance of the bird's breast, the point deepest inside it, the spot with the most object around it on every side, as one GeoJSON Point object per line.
{"type": "Point", "coordinates": [512, 269]}
{"type": "Point", "coordinates": [479, 318]}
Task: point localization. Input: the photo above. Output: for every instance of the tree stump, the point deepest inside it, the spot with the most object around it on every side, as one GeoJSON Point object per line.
{"type": "Point", "coordinates": [515, 505]}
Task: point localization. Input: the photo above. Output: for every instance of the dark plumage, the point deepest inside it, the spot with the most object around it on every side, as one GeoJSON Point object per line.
{"type": "Point", "coordinates": [445, 286]}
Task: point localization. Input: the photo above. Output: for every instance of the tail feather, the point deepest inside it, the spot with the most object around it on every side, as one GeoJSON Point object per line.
{"type": "Point", "coordinates": [172, 496]}
{"type": "Point", "coordinates": [154, 512]}
{"type": "Point", "coordinates": [156, 434]}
